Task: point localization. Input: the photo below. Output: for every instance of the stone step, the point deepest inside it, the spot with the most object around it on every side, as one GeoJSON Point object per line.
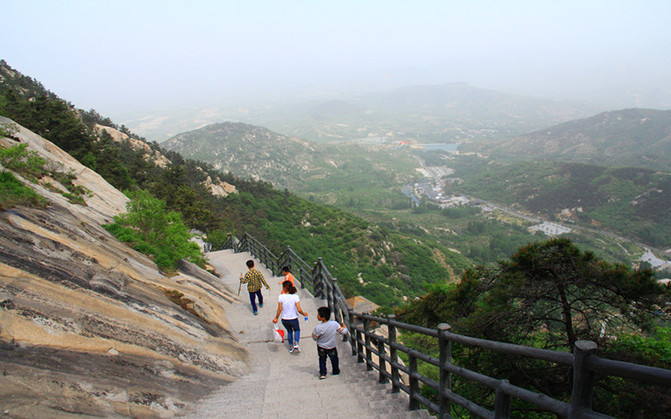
{"type": "Point", "coordinates": [284, 385]}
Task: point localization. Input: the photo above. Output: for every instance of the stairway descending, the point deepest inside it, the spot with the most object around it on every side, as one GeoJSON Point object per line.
{"type": "Point", "coordinates": [283, 385]}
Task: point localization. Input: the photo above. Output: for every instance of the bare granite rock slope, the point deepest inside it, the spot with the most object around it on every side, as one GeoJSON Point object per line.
{"type": "Point", "coordinates": [90, 327]}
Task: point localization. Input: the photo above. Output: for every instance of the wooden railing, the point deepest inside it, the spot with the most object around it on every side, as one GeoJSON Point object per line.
{"type": "Point", "coordinates": [381, 353]}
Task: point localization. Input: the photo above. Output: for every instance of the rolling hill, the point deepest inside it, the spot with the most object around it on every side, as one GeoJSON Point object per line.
{"type": "Point", "coordinates": [629, 137]}
{"type": "Point", "coordinates": [257, 153]}
{"type": "Point", "coordinates": [248, 151]}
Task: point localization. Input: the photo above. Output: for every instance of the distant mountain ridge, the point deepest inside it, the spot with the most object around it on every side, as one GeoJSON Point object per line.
{"type": "Point", "coordinates": [629, 137]}
{"type": "Point", "coordinates": [453, 112]}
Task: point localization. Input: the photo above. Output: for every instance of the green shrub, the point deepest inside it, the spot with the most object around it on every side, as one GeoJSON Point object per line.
{"type": "Point", "coordinates": [8, 129]}
{"type": "Point", "coordinates": [23, 161]}
{"type": "Point", "coordinates": [149, 228]}
{"type": "Point", "coordinates": [30, 165]}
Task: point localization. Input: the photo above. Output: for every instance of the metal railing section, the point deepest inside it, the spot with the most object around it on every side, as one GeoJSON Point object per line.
{"type": "Point", "coordinates": [381, 353]}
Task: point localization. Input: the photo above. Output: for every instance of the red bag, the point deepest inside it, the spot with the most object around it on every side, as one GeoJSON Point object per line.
{"type": "Point", "coordinates": [278, 334]}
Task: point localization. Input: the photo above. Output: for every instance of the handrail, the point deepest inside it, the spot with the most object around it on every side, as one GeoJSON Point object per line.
{"type": "Point", "coordinates": [365, 343]}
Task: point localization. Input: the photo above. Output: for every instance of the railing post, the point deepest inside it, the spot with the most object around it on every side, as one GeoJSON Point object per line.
{"type": "Point", "coordinates": [338, 315]}
{"type": "Point", "coordinates": [317, 280]}
{"type": "Point", "coordinates": [393, 355]}
{"type": "Point", "coordinates": [369, 353]}
{"type": "Point", "coordinates": [352, 333]}
{"type": "Point", "coordinates": [502, 403]}
{"type": "Point", "coordinates": [583, 379]}
{"type": "Point", "coordinates": [290, 263]}
{"type": "Point", "coordinates": [414, 382]}
{"type": "Point", "coordinates": [332, 295]}
{"type": "Point", "coordinates": [381, 362]}
{"type": "Point", "coordinates": [445, 347]}
{"type": "Point", "coordinates": [359, 346]}
{"type": "Point", "coordinates": [234, 245]}
{"type": "Point", "coordinates": [343, 312]}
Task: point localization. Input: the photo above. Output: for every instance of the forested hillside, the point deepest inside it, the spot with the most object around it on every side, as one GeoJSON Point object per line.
{"type": "Point", "coordinates": [259, 154]}
{"type": "Point", "coordinates": [549, 295]}
{"type": "Point", "coordinates": [629, 137]}
{"type": "Point", "coordinates": [249, 151]}
{"type": "Point", "coordinates": [633, 202]}
{"type": "Point", "coordinates": [383, 265]}
{"type": "Point", "coordinates": [367, 179]}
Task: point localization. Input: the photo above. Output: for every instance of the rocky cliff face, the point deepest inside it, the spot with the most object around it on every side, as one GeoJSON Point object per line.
{"type": "Point", "coordinates": [90, 327]}
{"type": "Point", "coordinates": [150, 155]}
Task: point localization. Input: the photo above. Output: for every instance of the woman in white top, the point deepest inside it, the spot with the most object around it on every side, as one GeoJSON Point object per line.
{"type": "Point", "coordinates": [288, 307]}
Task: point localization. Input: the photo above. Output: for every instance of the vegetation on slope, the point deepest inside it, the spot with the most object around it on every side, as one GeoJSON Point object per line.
{"type": "Point", "coordinates": [14, 193]}
{"type": "Point", "coordinates": [629, 137]}
{"type": "Point", "coordinates": [380, 264]}
{"type": "Point", "coordinates": [633, 202]}
{"type": "Point", "coordinates": [149, 228]}
{"type": "Point", "coordinates": [549, 295]}
{"type": "Point", "coordinates": [35, 169]}
{"type": "Point", "coordinates": [256, 153]}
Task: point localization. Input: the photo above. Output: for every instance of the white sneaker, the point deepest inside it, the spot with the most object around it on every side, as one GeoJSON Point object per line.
{"type": "Point", "coordinates": [291, 350]}
{"type": "Point", "coordinates": [297, 349]}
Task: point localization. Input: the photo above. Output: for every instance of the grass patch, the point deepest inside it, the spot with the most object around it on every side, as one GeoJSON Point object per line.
{"type": "Point", "coordinates": [32, 167]}
{"type": "Point", "coordinates": [13, 193]}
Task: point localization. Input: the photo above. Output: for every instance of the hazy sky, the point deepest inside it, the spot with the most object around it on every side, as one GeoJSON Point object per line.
{"type": "Point", "coordinates": [110, 55]}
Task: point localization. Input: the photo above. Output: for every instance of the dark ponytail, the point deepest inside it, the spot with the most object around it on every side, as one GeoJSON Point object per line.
{"type": "Point", "coordinates": [287, 285]}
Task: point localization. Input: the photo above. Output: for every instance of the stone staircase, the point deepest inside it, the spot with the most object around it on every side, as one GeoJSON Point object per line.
{"type": "Point", "coordinates": [283, 385]}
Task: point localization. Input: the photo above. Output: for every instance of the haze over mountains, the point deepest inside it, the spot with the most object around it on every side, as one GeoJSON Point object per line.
{"type": "Point", "coordinates": [443, 113]}
{"type": "Point", "coordinates": [596, 192]}
{"type": "Point", "coordinates": [482, 121]}
{"type": "Point", "coordinates": [289, 162]}
{"type": "Point", "coordinates": [629, 137]}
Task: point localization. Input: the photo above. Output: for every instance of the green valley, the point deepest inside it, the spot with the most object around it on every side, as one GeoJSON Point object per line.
{"type": "Point", "coordinates": [345, 201]}
{"type": "Point", "coordinates": [367, 179]}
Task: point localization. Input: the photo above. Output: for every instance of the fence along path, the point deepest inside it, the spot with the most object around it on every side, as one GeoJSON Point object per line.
{"type": "Point", "coordinates": [381, 353]}
{"type": "Point", "coordinates": [283, 385]}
